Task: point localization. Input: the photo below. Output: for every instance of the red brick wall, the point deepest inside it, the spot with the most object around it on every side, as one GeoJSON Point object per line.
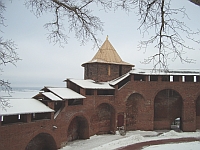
{"type": "Point", "coordinates": [17, 136]}
{"type": "Point", "coordinates": [198, 113]}
{"type": "Point", "coordinates": [99, 71]}
{"type": "Point", "coordinates": [189, 92]}
{"type": "Point", "coordinates": [143, 104]}
{"type": "Point", "coordinates": [161, 125]}
{"type": "Point", "coordinates": [198, 122]}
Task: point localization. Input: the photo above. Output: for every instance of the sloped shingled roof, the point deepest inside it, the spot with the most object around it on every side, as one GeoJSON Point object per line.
{"type": "Point", "coordinates": [107, 54]}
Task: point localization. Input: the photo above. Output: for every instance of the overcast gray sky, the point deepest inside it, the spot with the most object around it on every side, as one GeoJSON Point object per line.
{"type": "Point", "coordinates": [46, 64]}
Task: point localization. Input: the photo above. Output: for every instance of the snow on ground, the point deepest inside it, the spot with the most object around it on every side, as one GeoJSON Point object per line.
{"type": "Point", "coordinates": [175, 146]}
{"type": "Point", "coordinates": [102, 142]}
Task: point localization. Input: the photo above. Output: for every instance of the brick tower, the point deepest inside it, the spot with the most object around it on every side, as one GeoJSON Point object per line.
{"type": "Point", "coordinates": [106, 65]}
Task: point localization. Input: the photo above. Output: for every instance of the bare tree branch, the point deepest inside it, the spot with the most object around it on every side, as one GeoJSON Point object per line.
{"type": "Point", "coordinates": [2, 9]}
{"type": "Point", "coordinates": [7, 52]}
{"type": "Point", "coordinates": [4, 103]}
{"type": "Point", "coordinates": [79, 16]}
{"type": "Point", "coordinates": [170, 32]}
{"type": "Point", "coordinates": [8, 55]}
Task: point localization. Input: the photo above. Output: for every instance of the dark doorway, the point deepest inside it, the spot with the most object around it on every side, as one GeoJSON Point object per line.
{"type": "Point", "coordinates": [42, 141]}
{"type": "Point", "coordinates": [103, 120]}
{"type": "Point", "coordinates": [167, 108]}
{"type": "Point", "coordinates": [78, 129]}
{"type": "Point", "coordinates": [198, 113]}
{"type": "Point", "coordinates": [135, 111]}
{"type": "Point", "coordinates": [120, 120]}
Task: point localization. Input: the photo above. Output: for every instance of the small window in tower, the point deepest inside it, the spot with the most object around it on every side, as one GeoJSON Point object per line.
{"type": "Point", "coordinates": [109, 70]}
{"type": "Point", "coordinates": [120, 70]}
{"type": "Point", "coordinates": [1, 118]}
{"type": "Point", "coordinates": [89, 92]}
{"type": "Point", "coordinates": [72, 102]}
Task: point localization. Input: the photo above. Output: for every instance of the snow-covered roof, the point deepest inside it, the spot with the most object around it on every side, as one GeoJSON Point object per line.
{"type": "Point", "coordinates": [117, 80]}
{"type": "Point", "coordinates": [51, 96]}
{"type": "Point", "coordinates": [155, 72]}
{"type": "Point", "coordinates": [91, 84]}
{"type": "Point", "coordinates": [162, 72]}
{"type": "Point", "coordinates": [65, 93]}
{"type": "Point", "coordinates": [24, 106]}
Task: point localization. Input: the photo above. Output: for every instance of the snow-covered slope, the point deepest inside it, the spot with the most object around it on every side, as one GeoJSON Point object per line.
{"type": "Point", "coordinates": [104, 142]}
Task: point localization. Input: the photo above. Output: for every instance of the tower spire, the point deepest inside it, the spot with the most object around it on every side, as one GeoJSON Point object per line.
{"type": "Point", "coordinates": [107, 54]}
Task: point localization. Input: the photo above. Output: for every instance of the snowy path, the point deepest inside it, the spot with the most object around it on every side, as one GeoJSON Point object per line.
{"type": "Point", "coordinates": [178, 146]}
{"type": "Point", "coordinates": [102, 142]}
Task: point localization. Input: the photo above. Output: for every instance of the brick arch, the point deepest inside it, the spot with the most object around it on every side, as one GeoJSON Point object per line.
{"type": "Point", "coordinates": [198, 112]}
{"type": "Point", "coordinates": [78, 128]}
{"type": "Point", "coordinates": [168, 105]}
{"type": "Point", "coordinates": [161, 89]}
{"type": "Point", "coordinates": [135, 112]}
{"type": "Point", "coordinates": [42, 141]}
{"type": "Point", "coordinates": [134, 92]}
{"type": "Point", "coordinates": [103, 119]}
{"type": "Point", "coordinates": [71, 116]}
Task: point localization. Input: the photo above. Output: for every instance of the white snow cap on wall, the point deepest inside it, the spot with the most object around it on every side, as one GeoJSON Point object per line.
{"type": "Point", "coordinates": [182, 72]}
{"type": "Point", "coordinates": [24, 106]}
{"type": "Point", "coordinates": [91, 84]}
{"type": "Point", "coordinates": [51, 96]}
{"type": "Point", "coordinates": [65, 93]}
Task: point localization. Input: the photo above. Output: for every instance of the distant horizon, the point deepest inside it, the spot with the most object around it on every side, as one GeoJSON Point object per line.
{"type": "Point", "coordinates": [56, 83]}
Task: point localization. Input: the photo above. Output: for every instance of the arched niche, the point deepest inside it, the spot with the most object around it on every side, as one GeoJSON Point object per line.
{"type": "Point", "coordinates": [103, 120]}
{"type": "Point", "coordinates": [135, 112]}
{"type": "Point", "coordinates": [198, 113]}
{"type": "Point", "coordinates": [78, 129]}
{"type": "Point", "coordinates": [42, 141]}
{"type": "Point", "coordinates": [167, 108]}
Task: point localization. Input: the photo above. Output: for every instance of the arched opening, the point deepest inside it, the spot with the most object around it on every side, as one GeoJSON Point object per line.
{"type": "Point", "coordinates": [78, 129]}
{"type": "Point", "coordinates": [167, 110]}
{"type": "Point", "coordinates": [103, 121]}
{"type": "Point", "coordinates": [135, 112]}
{"type": "Point", "coordinates": [198, 113]}
{"type": "Point", "coordinates": [175, 125]}
{"type": "Point", "coordinates": [42, 141]}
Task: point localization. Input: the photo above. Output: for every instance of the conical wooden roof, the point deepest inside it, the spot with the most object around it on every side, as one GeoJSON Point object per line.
{"type": "Point", "coordinates": [107, 54]}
